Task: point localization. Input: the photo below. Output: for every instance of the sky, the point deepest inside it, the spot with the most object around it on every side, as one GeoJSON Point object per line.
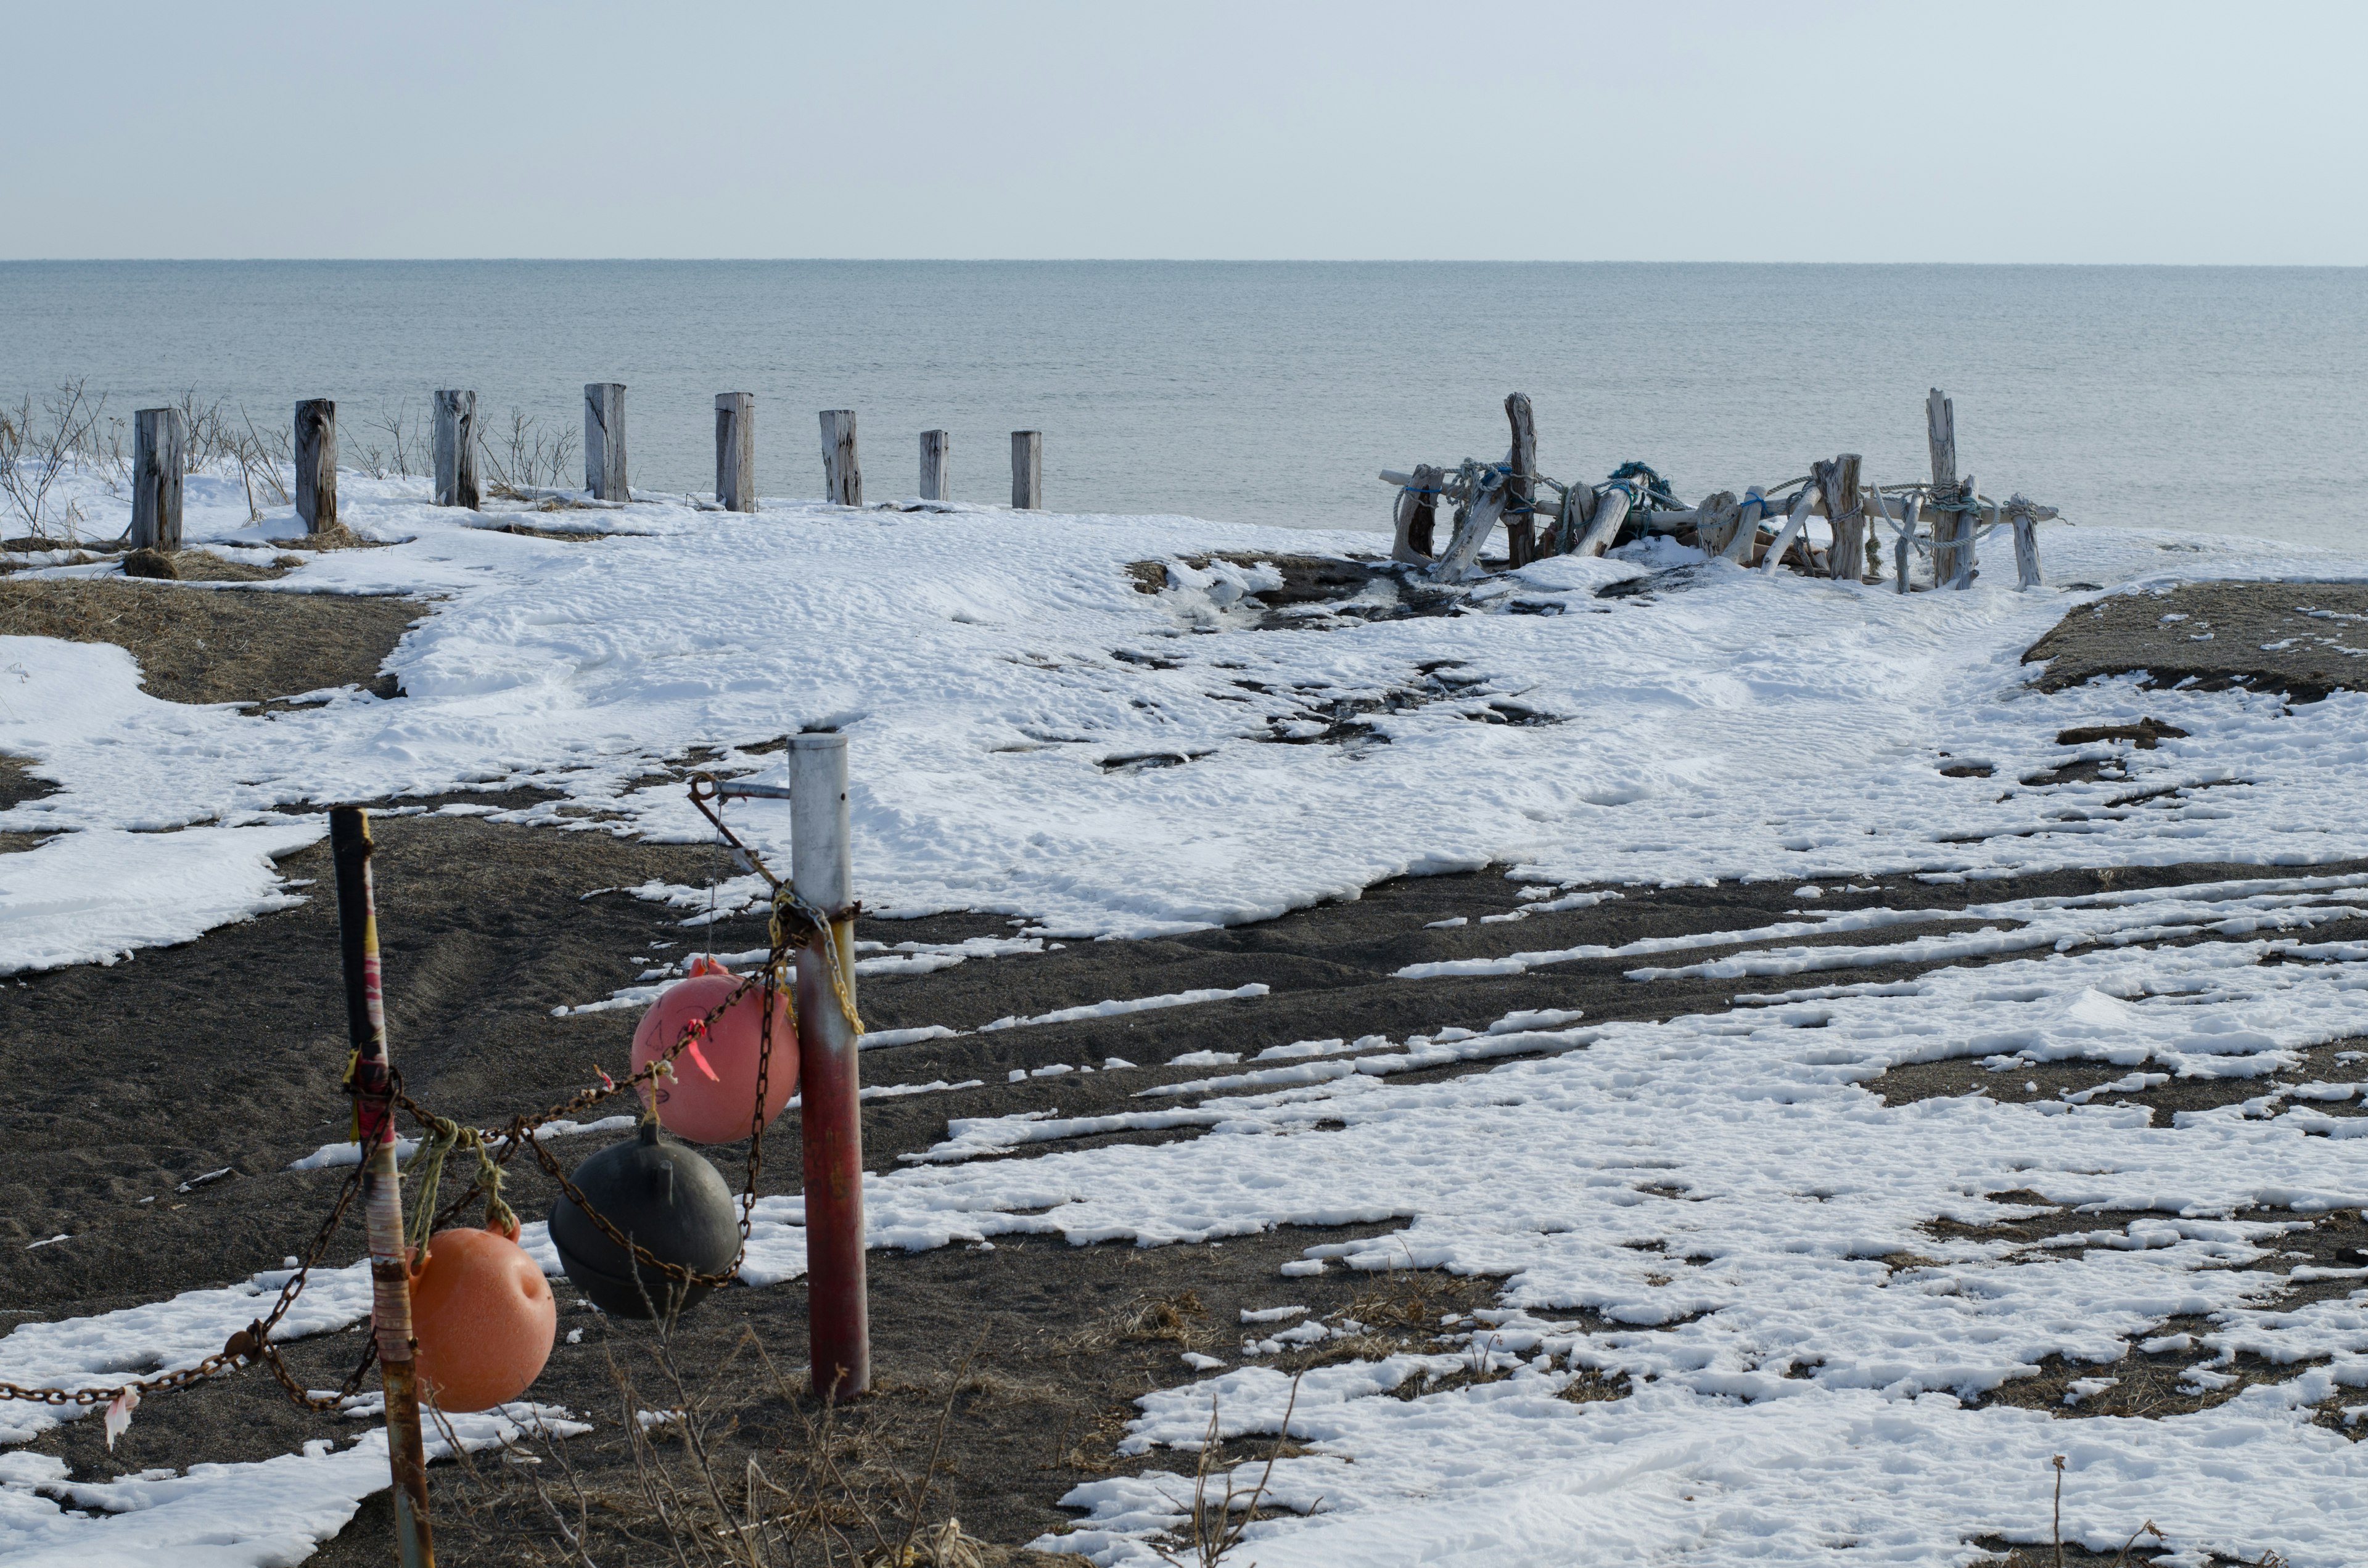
{"type": "Point", "coordinates": [1715, 130]}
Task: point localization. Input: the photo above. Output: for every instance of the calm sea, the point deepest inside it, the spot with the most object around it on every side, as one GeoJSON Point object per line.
{"type": "Point", "coordinates": [2230, 399]}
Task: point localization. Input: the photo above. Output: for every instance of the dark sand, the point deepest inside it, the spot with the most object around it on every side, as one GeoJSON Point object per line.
{"type": "Point", "coordinates": [131, 1080]}
{"type": "Point", "coordinates": [2216, 635]}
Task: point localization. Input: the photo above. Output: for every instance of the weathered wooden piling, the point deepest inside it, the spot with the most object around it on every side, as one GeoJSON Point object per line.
{"type": "Point", "coordinates": [316, 463]}
{"type": "Point", "coordinates": [603, 442]}
{"type": "Point", "coordinates": [936, 446]}
{"type": "Point", "coordinates": [842, 476]}
{"type": "Point", "coordinates": [456, 450]}
{"type": "Point", "coordinates": [159, 440]}
{"type": "Point", "coordinates": [1953, 532]}
{"type": "Point", "coordinates": [1027, 470]}
{"type": "Point", "coordinates": [1521, 483]}
{"type": "Point", "coordinates": [735, 451]}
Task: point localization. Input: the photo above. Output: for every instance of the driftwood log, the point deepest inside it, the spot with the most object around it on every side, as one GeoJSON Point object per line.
{"type": "Point", "coordinates": [1416, 515]}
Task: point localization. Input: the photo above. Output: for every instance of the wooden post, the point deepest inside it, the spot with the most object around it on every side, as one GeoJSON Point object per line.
{"type": "Point", "coordinates": [603, 442]}
{"type": "Point", "coordinates": [1961, 536]}
{"type": "Point", "coordinates": [2026, 547]}
{"type": "Point", "coordinates": [821, 873]}
{"type": "Point", "coordinates": [842, 477]}
{"type": "Point", "coordinates": [1838, 487]}
{"type": "Point", "coordinates": [316, 463]}
{"type": "Point", "coordinates": [1904, 552]}
{"type": "Point", "coordinates": [158, 440]}
{"type": "Point", "coordinates": [381, 1193]}
{"type": "Point", "coordinates": [1520, 488]}
{"type": "Point", "coordinates": [1415, 515]}
{"type": "Point", "coordinates": [735, 451]}
{"type": "Point", "coordinates": [456, 450]}
{"type": "Point", "coordinates": [936, 445]}
{"type": "Point", "coordinates": [1028, 470]}
{"type": "Point", "coordinates": [1940, 434]}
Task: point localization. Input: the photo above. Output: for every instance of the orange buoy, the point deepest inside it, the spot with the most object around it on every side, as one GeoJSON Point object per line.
{"type": "Point", "coordinates": [484, 1316]}
{"type": "Point", "coordinates": [713, 1085]}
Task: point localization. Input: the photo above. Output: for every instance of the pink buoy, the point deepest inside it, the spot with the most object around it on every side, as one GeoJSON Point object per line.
{"type": "Point", "coordinates": [712, 1090]}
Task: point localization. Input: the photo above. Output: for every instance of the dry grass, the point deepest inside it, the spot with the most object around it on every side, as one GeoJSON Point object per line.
{"type": "Point", "coordinates": [216, 646]}
{"type": "Point", "coordinates": [711, 1479]}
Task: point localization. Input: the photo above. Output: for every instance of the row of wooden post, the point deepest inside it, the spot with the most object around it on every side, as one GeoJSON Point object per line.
{"type": "Point", "coordinates": [160, 438]}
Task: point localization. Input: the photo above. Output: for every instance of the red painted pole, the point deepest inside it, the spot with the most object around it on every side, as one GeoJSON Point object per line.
{"type": "Point", "coordinates": [350, 847]}
{"type": "Point", "coordinates": [838, 1312]}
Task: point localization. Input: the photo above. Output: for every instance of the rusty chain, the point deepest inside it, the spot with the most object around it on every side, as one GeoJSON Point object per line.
{"type": "Point", "coordinates": [253, 1344]}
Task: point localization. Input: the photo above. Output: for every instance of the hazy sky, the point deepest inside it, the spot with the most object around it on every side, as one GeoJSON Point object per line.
{"type": "Point", "coordinates": [2051, 132]}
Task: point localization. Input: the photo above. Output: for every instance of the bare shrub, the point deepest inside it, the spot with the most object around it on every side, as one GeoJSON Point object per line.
{"type": "Point", "coordinates": [527, 459]}
{"type": "Point", "coordinates": [37, 444]}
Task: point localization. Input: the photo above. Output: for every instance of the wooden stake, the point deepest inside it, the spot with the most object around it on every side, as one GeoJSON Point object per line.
{"type": "Point", "coordinates": [1904, 552]}
{"type": "Point", "coordinates": [735, 451]}
{"type": "Point", "coordinates": [1941, 435]}
{"type": "Point", "coordinates": [1415, 515]}
{"type": "Point", "coordinates": [1521, 488]}
{"type": "Point", "coordinates": [842, 477]}
{"type": "Point", "coordinates": [2026, 550]}
{"type": "Point", "coordinates": [603, 442]}
{"type": "Point", "coordinates": [1838, 487]}
{"type": "Point", "coordinates": [158, 440]}
{"type": "Point", "coordinates": [316, 463]}
{"type": "Point", "coordinates": [821, 871]}
{"type": "Point", "coordinates": [456, 450]}
{"type": "Point", "coordinates": [936, 446]}
{"type": "Point", "coordinates": [1028, 470]}
{"type": "Point", "coordinates": [381, 1194]}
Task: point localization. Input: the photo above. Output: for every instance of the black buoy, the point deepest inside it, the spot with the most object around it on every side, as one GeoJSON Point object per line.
{"type": "Point", "coordinates": [669, 1201]}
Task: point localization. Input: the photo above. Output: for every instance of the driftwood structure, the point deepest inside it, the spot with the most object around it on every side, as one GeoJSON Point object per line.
{"type": "Point", "coordinates": [1945, 519]}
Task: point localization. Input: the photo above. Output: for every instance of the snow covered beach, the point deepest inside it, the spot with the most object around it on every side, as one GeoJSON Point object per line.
{"type": "Point", "coordinates": [1695, 1180]}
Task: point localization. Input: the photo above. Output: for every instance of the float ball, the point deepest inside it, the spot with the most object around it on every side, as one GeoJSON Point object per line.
{"type": "Point", "coordinates": [669, 1201]}
{"type": "Point", "coordinates": [484, 1317]}
{"type": "Point", "coordinates": [712, 1086]}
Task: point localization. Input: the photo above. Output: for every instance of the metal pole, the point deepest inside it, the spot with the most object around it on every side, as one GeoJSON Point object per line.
{"type": "Point", "coordinates": [837, 1310]}
{"type": "Point", "coordinates": [349, 845]}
